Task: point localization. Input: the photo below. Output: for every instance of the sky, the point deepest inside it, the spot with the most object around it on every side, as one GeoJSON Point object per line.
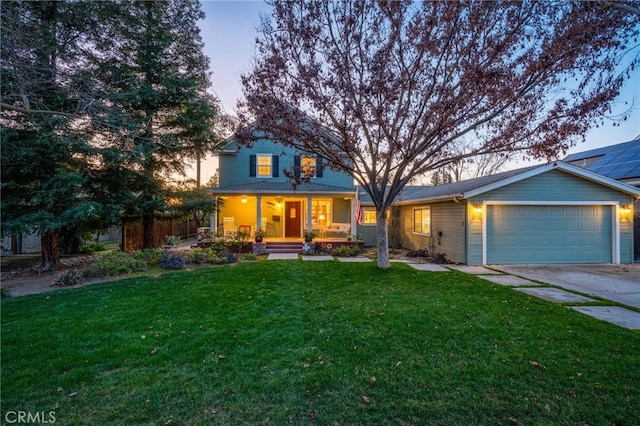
{"type": "Point", "coordinates": [229, 32]}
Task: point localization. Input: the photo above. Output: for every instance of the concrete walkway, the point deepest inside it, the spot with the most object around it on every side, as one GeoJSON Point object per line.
{"type": "Point", "coordinates": [282, 256]}
{"type": "Point", "coordinates": [620, 283]}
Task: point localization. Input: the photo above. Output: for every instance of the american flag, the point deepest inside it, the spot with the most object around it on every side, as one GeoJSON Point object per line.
{"type": "Point", "coordinates": [358, 211]}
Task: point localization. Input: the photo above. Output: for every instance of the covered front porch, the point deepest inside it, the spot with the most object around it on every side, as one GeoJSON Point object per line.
{"type": "Point", "coordinates": [286, 216]}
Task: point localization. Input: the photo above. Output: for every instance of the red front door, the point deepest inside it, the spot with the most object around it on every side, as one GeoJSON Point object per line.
{"type": "Point", "coordinates": [292, 219]}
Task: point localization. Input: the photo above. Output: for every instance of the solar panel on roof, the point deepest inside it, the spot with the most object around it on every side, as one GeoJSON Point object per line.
{"type": "Point", "coordinates": [617, 161]}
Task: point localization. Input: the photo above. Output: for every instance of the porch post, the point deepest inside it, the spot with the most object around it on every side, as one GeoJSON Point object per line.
{"type": "Point", "coordinates": [213, 217]}
{"type": "Point", "coordinates": [309, 215]}
{"type": "Point", "coordinates": [354, 223]}
{"type": "Point", "coordinates": [258, 211]}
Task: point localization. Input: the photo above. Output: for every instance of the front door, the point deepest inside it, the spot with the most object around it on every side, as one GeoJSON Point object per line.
{"type": "Point", "coordinates": [292, 219]}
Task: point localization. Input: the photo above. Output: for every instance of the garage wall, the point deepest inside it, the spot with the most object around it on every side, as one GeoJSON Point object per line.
{"type": "Point", "coordinates": [447, 230]}
{"type": "Point", "coordinates": [553, 186]}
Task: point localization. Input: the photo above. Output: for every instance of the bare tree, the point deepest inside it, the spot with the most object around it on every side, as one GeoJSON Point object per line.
{"type": "Point", "coordinates": [384, 90]}
{"type": "Point", "coordinates": [470, 167]}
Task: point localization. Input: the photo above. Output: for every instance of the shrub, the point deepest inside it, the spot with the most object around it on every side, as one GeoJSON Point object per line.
{"type": "Point", "coordinates": [172, 240]}
{"type": "Point", "coordinates": [239, 240]}
{"type": "Point", "coordinates": [92, 248]}
{"type": "Point", "coordinates": [4, 293]}
{"type": "Point", "coordinates": [346, 251]}
{"type": "Point", "coordinates": [118, 262]}
{"type": "Point", "coordinates": [249, 256]}
{"type": "Point", "coordinates": [227, 257]}
{"type": "Point", "coordinates": [200, 256]}
{"type": "Point", "coordinates": [149, 256]}
{"type": "Point", "coordinates": [68, 278]}
{"type": "Point", "coordinates": [172, 260]}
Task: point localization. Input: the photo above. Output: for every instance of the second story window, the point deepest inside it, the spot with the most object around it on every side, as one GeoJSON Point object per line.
{"type": "Point", "coordinates": [308, 166]}
{"type": "Point", "coordinates": [263, 165]}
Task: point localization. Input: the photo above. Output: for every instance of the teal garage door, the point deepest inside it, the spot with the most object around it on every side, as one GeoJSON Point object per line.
{"type": "Point", "coordinates": [548, 234]}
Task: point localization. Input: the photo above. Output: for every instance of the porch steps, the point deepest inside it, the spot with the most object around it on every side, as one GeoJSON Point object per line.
{"type": "Point", "coordinates": [284, 247]}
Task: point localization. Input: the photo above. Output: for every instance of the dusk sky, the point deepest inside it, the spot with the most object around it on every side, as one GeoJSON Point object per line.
{"type": "Point", "coordinates": [229, 32]}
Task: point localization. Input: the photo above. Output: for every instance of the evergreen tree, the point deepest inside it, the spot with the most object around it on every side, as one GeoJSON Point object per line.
{"type": "Point", "coordinates": [44, 181]}
{"type": "Point", "coordinates": [97, 99]}
{"type": "Point", "coordinates": [155, 75]}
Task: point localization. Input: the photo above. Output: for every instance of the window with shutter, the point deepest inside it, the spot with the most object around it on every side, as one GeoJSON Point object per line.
{"type": "Point", "coordinates": [263, 165]}
{"type": "Point", "coordinates": [308, 166]}
{"type": "Point", "coordinates": [252, 166]}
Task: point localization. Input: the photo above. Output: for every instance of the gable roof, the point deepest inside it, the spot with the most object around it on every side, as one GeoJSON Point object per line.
{"type": "Point", "coordinates": [474, 187]}
{"type": "Point", "coordinates": [621, 161]}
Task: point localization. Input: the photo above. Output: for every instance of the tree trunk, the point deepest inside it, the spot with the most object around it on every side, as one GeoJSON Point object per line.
{"type": "Point", "coordinates": [198, 168]}
{"type": "Point", "coordinates": [148, 231]}
{"type": "Point", "coordinates": [50, 252]}
{"type": "Point", "coordinates": [382, 239]}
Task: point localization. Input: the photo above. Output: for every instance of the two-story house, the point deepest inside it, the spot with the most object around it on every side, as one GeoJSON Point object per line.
{"type": "Point", "coordinates": [550, 213]}
{"type": "Point", "coordinates": [257, 194]}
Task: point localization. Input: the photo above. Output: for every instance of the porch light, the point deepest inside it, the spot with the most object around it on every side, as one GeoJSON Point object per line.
{"type": "Point", "coordinates": [478, 210]}
{"type": "Point", "coordinates": [625, 210]}
{"type": "Point", "coordinates": [244, 199]}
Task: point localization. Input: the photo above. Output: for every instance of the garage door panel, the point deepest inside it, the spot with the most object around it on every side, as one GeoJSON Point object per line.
{"type": "Point", "coordinates": [540, 226]}
{"type": "Point", "coordinates": [549, 234]}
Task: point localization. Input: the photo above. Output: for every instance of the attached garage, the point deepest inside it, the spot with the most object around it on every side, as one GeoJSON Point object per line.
{"type": "Point", "coordinates": [549, 214]}
{"type": "Point", "coordinates": [518, 234]}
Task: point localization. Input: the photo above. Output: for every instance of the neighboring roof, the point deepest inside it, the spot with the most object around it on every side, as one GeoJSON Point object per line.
{"type": "Point", "coordinates": [473, 187]}
{"type": "Point", "coordinates": [281, 187]}
{"type": "Point", "coordinates": [621, 161]}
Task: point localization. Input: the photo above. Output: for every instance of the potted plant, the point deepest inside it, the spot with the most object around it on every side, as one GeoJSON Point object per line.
{"type": "Point", "coordinates": [260, 234]}
{"type": "Point", "coordinates": [308, 236]}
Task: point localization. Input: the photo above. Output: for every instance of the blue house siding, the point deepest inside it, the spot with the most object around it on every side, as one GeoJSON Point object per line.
{"type": "Point", "coordinates": [551, 188]}
{"type": "Point", "coordinates": [236, 168]}
{"type": "Point", "coordinates": [556, 186]}
{"type": "Point", "coordinates": [447, 230]}
{"type": "Point", "coordinates": [257, 192]}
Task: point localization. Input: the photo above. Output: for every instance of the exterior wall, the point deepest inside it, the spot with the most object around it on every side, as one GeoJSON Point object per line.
{"type": "Point", "coordinates": [272, 210]}
{"type": "Point", "coordinates": [554, 187]}
{"type": "Point", "coordinates": [341, 211]}
{"type": "Point", "coordinates": [234, 168]}
{"type": "Point", "coordinates": [368, 234]}
{"type": "Point", "coordinates": [447, 230]}
{"type": "Point", "coordinates": [28, 244]}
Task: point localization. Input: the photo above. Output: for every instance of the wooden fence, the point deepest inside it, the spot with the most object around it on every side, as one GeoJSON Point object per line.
{"type": "Point", "coordinates": [132, 233]}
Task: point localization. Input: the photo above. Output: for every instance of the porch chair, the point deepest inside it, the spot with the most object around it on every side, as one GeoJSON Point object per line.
{"type": "Point", "coordinates": [246, 229]}
{"type": "Point", "coordinates": [228, 226]}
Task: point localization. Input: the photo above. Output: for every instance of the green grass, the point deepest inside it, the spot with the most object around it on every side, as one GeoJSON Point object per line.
{"type": "Point", "coordinates": [323, 343]}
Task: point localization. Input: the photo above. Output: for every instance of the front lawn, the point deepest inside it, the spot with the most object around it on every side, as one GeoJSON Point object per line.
{"type": "Point", "coordinates": [282, 342]}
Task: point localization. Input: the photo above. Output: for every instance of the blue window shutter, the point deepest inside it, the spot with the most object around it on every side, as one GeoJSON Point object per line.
{"type": "Point", "coordinates": [252, 165]}
{"type": "Point", "coordinates": [296, 166]}
{"type": "Point", "coordinates": [319, 166]}
{"type": "Point", "coordinates": [275, 164]}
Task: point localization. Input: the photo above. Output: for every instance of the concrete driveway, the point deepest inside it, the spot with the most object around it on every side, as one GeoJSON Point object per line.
{"type": "Point", "coordinates": [620, 283]}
